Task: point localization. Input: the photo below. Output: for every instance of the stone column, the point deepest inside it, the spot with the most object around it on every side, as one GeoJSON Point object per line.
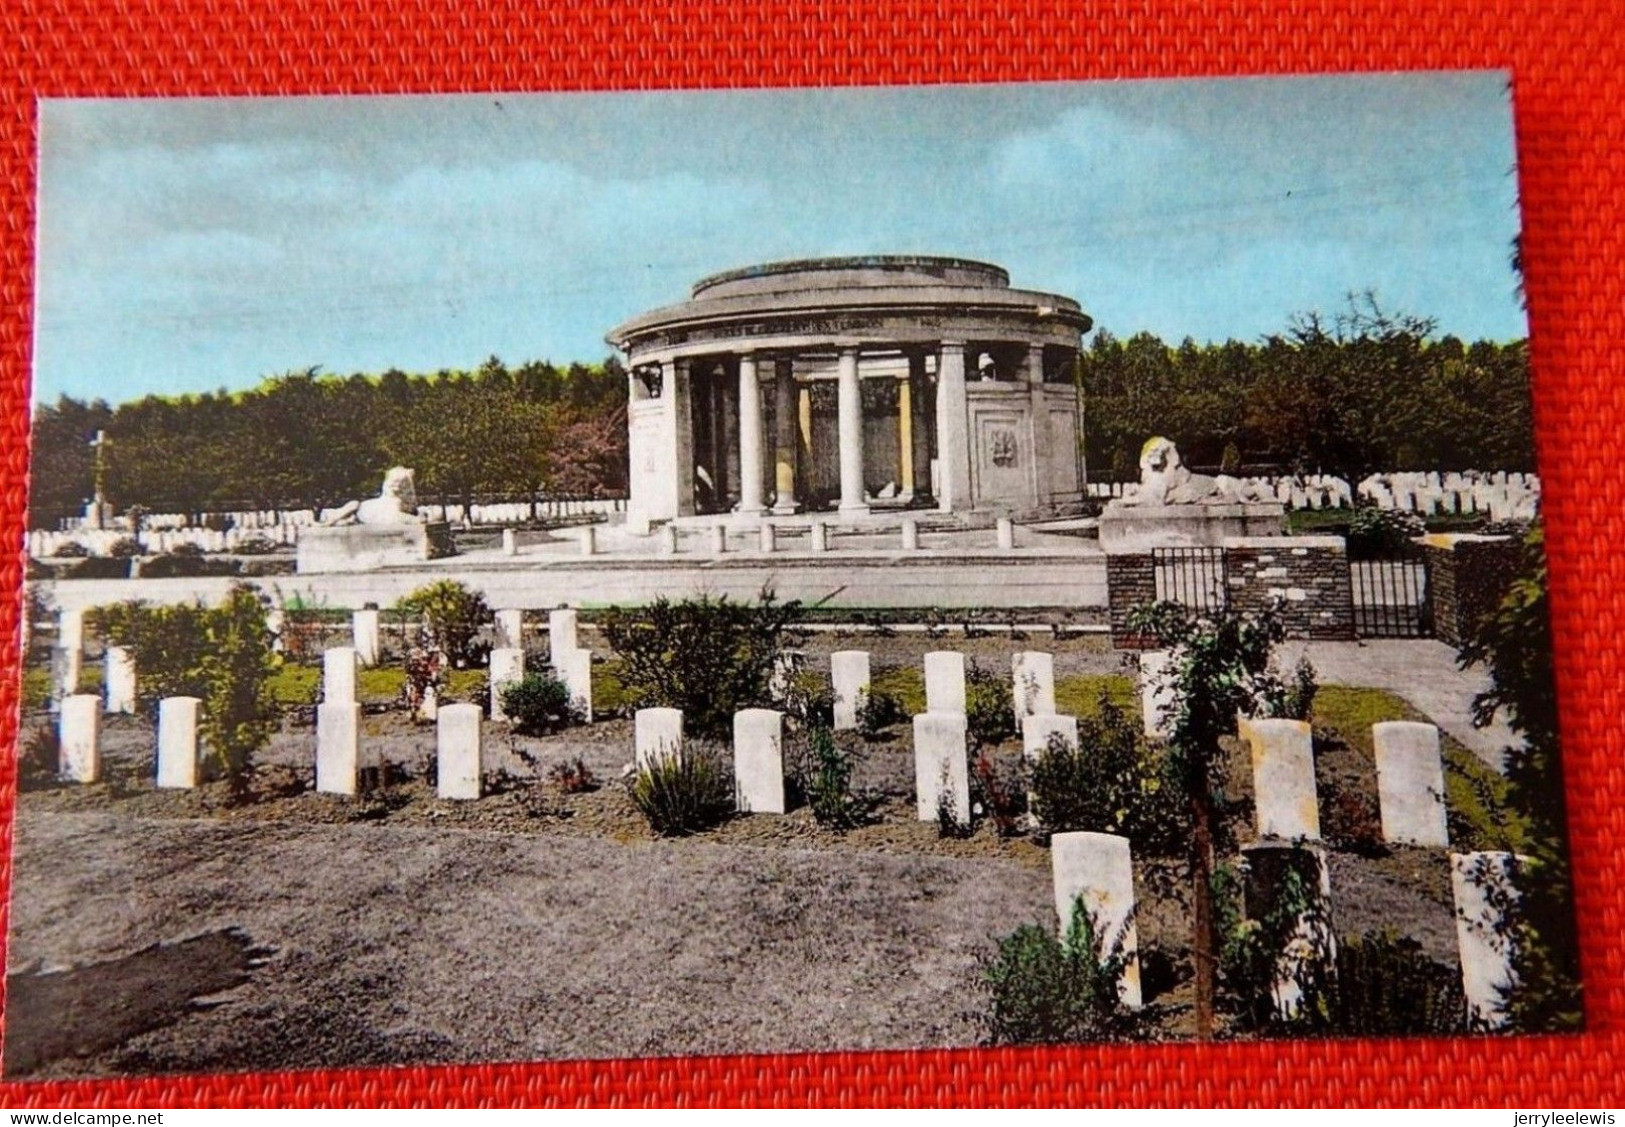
{"type": "Point", "coordinates": [674, 385]}
{"type": "Point", "coordinates": [920, 454]}
{"type": "Point", "coordinates": [905, 437]}
{"type": "Point", "coordinates": [953, 430]}
{"type": "Point", "coordinates": [1037, 427]}
{"type": "Point", "coordinates": [850, 412]}
{"type": "Point", "coordinates": [784, 438]}
{"type": "Point", "coordinates": [750, 436]}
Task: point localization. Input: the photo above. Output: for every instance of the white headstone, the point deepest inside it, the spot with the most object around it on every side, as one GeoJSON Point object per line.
{"type": "Point", "coordinates": [849, 681]}
{"type": "Point", "coordinates": [1005, 532]}
{"type": "Point", "coordinates": [1410, 783]}
{"type": "Point", "coordinates": [1157, 695]}
{"type": "Point", "coordinates": [177, 741]}
{"type": "Point", "coordinates": [1036, 732]}
{"type": "Point", "coordinates": [338, 675]}
{"type": "Point", "coordinates": [574, 669]}
{"type": "Point", "coordinates": [944, 681]}
{"type": "Point", "coordinates": [561, 630]}
{"type": "Point", "coordinates": [507, 668]}
{"type": "Point", "coordinates": [510, 629]}
{"type": "Point", "coordinates": [70, 630]}
{"type": "Point", "coordinates": [338, 746]}
{"type": "Point", "coordinates": [759, 760]}
{"type": "Point", "coordinates": [589, 540]}
{"type": "Point", "coordinates": [510, 542]}
{"type": "Point", "coordinates": [79, 735]}
{"type": "Point", "coordinates": [118, 679]}
{"type": "Point", "coordinates": [1486, 899]}
{"type": "Point", "coordinates": [364, 627]}
{"type": "Point", "coordinates": [941, 766]}
{"type": "Point", "coordinates": [457, 747]}
{"type": "Point", "coordinates": [1284, 795]}
{"type": "Point", "coordinates": [787, 665]}
{"type": "Point", "coordinates": [1032, 676]}
{"type": "Point", "coordinates": [657, 735]}
{"type": "Point", "coordinates": [1099, 869]}
{"type": "Point", "coordinates": [911, 535]}
{"type": "Point", "coordinates": [1309, 948]}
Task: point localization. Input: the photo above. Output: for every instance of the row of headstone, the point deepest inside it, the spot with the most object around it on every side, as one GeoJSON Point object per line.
{"type": "Point", "coordinates": [1032, 675]}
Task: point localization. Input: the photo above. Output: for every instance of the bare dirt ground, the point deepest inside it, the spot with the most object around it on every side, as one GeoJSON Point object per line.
{"type": "Point", "coordinates": [156, 931]}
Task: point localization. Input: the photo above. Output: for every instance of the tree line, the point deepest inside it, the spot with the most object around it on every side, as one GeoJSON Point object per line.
{"type": "Point", "coordinates": [1352, 394]}
{"type": "Point", "coordinates": [307, 440]}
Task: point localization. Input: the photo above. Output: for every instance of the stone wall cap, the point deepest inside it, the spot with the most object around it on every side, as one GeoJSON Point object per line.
{"type": "Point", "coordinates": [1449, 540]}
{"type": "Point", "coordinates": [1285, 543]}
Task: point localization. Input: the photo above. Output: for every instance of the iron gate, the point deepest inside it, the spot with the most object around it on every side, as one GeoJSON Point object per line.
{"type": "Point", "coordinates": [1192, 577]}
{"type": "Point", "coordinates": [1391, 596]}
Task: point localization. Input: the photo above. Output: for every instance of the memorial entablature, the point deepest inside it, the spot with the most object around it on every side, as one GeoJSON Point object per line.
{"type": "Point", "coordinates": [855, 383]}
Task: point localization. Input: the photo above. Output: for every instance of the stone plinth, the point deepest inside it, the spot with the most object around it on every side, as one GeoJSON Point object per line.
{"type": "Point", "coordinates": [368, 547]}
{"type": "Point", "coordinates": [1132, 529]}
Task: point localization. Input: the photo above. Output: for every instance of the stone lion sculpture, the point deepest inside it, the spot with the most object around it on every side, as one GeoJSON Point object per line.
{"type": "Point", "coordinates": [396, 503]}
{"type": "Point", "coordinates": [1164, 480]}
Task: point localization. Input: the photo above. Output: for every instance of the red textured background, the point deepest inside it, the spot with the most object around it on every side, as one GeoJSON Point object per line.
{"type": "Point", "coordinates": [1567, 67]}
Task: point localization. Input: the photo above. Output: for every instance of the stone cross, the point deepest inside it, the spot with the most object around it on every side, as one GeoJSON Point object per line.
{"type": "Point", "coordinates": [759, 761]}
{"type": "Point", "coordinates": [1098, 870]}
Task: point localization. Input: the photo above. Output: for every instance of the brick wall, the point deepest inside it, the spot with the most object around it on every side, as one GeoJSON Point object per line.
{"type": "Point", "coordinates": [1306, 578]}
{"type": "Point", "coordinates": [1467, 577]}
{"type": "Point", "coordinates": [1131, 581]}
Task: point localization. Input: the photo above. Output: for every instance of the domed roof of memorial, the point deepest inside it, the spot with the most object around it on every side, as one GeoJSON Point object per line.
{"type": "Point", "coordinates": [888, 284]}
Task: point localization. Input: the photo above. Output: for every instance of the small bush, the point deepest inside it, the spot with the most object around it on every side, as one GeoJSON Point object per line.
{"type": "Point", "coordinates": [452, 618]}
{"type": "Point", "coordinates": [1386, 986]}
{"type": "Point", "coordinates": [684, 794]}
{"type": "Point", "coordinates": [709, 657]}
{"type": "Point", "coordinates": [1289, 699]}
{"type": "Point", "coordinates": [125, 547]}
{"type": "Point", "coordinates": [425, 675]}
{"type": "Point", "coordinates": [40, 758]}
{"type": "Point", "coordinates": [573, 776]}
{"type": "Point", "coordinates": [187, 549]}
{"type": "Point", "coordinates": [1048, 989]}
{"type": "Point", "coordinates": [255, 546]}
{"type": "Point", "coordinates": [187, 565]}
{"type": "Point", "coordinates": [952, 822]}
{"type": "Point", "coordinates": [1112, 782]}
{"type": "Point", "coordinates": [1377, 532]}
{"type": "Point", "coordinates": [823, 775]}
{"type": "Point", "coordinates": [877, 711]}
{"type": "Point", "coordinates": [538, 704]}
{"type": "Point", "coordinates": [99, 567]}
{"type": "Point", "coordinates": [72, 550]}
{"type": "Point", "coordinates": [1001, 797]}
{"type": "Point", "coordinates": [239, 715]}
{"type": "Point", "coordinates": [990, 710]}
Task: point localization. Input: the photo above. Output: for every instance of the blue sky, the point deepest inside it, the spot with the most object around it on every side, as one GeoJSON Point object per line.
{"type": "Point", "coordinates": [192, 244]}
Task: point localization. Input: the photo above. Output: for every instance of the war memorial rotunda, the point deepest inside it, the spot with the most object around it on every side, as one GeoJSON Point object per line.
{"type": "Point", "coordinates": [856, 385]}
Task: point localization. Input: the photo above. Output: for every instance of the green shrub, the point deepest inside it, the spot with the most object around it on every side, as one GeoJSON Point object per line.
{"type": "Point", "coordinates": [72, 550]}
{"type": "Point", "coordinates": [573, 776]}
{"type": "Point", "coordinates": [239, 714]}
{"type": "Point", "coordinates": [709, 657]}
{"type": "Point", "coordinates": [990, 709]}
{"type": "Point", "coordinates": [125, 547]}
{"type": "Point", "coordinates": [187, 565]}
{"type": "Point", "coordinates": [1049, 989]}
{"type": "Point", "coordinates": [1112, 782]}
{"type": "Point", "coordinates": [685, 793]}
{"type": "Point", "coordinates": [877, 711]}
{"type": "Point", "coordinates": [538, 704]}
{"type": "Point", "coordinates": [1376, 532]}
{"type": "Point", "coordinates": [999, 794]}
{"type": "Point", "coordinates": [166, 643]}
{"type": "Point", "coordinates": [822, 773]}
{"type": "Point", "coordinates": [1387, 986]}
{"type": "Point", "coordinates": [255, 546]}
{"type": "Point", "coordinates": [452, 618]}
{"type": "Point", "coordinates": [187, 549]}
